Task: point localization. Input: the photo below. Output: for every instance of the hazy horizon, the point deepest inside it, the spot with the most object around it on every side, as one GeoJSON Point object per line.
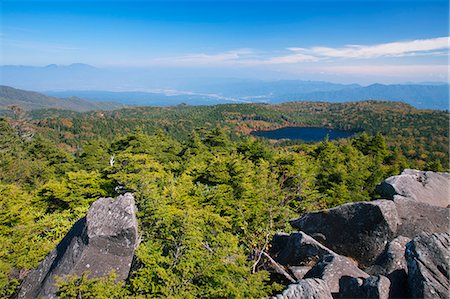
{"type": "Point", "coordinates": [149, 79]}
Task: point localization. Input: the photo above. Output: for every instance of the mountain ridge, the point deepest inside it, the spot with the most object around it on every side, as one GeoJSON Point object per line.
{"type": "Point", "coordinates": [31, 100]}
{"type": "Point", "coordinates": [171, 87]}
{"type": "Point", "coordinates": [420, 96]}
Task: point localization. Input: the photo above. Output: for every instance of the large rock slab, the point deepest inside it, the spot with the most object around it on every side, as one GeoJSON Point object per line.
{"type": "Point", "coordinates": [102, 241]}
{"type": "Point", "coordinates": [392, 264]}
{"type": "Point", "coordinates": [428, 259]}
{"type": "Point", "coordinates": [297, 249]}
{"type": "Point", "coordinates": [423, 186]}
{"type": "Point", "coordinates": [376, 287]}
{"type": "Point", "coordinates": [359, 230]}
{"type": "Point", "coordinates": [307, 288]}
{"type": "Point", "coordinates": [417, 217]}
{"type": "Point", "coordinates": [332, 267]}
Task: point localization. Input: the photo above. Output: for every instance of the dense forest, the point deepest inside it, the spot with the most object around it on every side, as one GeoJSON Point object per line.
{"type": "Point", "coordinates": [420, 135]}
{"type": "Point", "coordinates": [209, 196]}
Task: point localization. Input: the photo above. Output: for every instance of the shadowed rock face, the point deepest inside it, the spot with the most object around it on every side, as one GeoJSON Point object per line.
{"type": "Point", "coordinates": [299, 250]}
{"type": "Point", "coordinates": [427, 257]}
{"type": "Point", "coordinates": [102, 241]}
{"type": "Point", "coordinates": [417, 217]}
{"type": "Point", "coordinates": [371, 287]}
{"type": "Point", "coordinates": [359, 230]}
{"type": "Point", "coordinates": [392, 264]}
{"type": "Point", "coordinates": [423, 186]}
{"type": "Point", "coordinates": [393, 257]}
{"type": "Point", "coordinates": [311, 288]}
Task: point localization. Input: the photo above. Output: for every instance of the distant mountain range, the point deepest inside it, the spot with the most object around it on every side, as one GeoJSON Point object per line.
{"type": "Point", "coordinates": [153, 87]}
{"type": "Point", "coordinates": [30, 100]}
{"type": "Point", "coordinates": [419, 96]}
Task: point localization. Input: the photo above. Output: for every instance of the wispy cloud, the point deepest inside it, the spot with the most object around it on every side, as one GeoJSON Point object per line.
{"type": "Point", "coordinates": [37, 46]}
{"type": "Point", "coordinates": [394, 49]}
{"type": "Point", "coordinates": [296, 55]}
{"type": "Point", "coordinates": [242, 57]}
{"type": "Point", "coordinates": [285, 59]}
{"type": "Point", "coordinates": [203, 59]}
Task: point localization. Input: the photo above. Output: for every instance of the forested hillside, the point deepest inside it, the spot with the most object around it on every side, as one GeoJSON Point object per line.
{"type": "Point", "coordinates": [419, 96]}
{"type": "Point", "coordinates": [421, 135]}
{"type": "Point", "coordinates": [209, 196]}
{"type": "Point", "coordinates": [30, 100]}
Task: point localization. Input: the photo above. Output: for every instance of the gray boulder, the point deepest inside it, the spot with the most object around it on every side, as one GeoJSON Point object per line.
{"type": "Point", "coordinates": [297, 249]}
{"type": "Point", "coordinates": [332, 267]}
{"type": "Point", "coordinates": [417, 217]}
{"type": "Point", "coordinates": [359, 230]}
{"type": "Point", "coordinates": [376, 287]}
{"type": "Point", "coordinates": [102, 241]}
{"type": "Point", "coordinates": [423, 186]}
{"type": "Point", "coordinates": [392, 264]}
{"type": "Point", "coordinates": [306, 289]}
{"type": "Point", "coordinates": [428, 257]}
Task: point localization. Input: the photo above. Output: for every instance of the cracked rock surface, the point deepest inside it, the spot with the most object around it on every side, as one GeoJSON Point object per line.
{"type": "Point", "coordinates": [102, 241]}
{"type": "Point", "coordinates": [311, 288]}
{"type": "Point", "coordinates": [428, 257]}
{"type": "Point", "coordinates": [423, 186]}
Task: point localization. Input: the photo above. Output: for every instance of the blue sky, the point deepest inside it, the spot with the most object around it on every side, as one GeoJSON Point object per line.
{"type": "Point", "coordinates": [378, 40]}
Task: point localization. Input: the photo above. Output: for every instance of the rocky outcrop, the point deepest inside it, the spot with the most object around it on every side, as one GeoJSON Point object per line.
{"type": "Point", "coordinates": [428, 259]}
{"type": "Point", "coordinates": [311, 288]}
{"type": "Point", "coordinates": [392, 264]}
{"type": "Point", "coordinates": [359, 230]}
{"type": "Point", "coordinates": [417, 217]}
{"type": "Point", "coordinates": [371, 287]}
{"type": "Point", "coordinates": [332, 267]}
{"type": "Point", "coordinates": [422, 186]}
{"type": "Point", "coordinates": [102, 241]}
{"type": "Point", "coordinates": [336, 244]}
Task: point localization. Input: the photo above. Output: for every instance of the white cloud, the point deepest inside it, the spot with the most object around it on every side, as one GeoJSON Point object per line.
{"type": "Point", "coordinates": [202, 59]}
{"type": "Point", "coordinates": [421, 47]}
{"type": "Point", "coordinates": [395, 49]}
{"type": "Point", "coordinates": [242, 57]}
{"type": "Point", "coordinates": [297, 56]}
{"type": "Point", "coordinates": [288, 59]}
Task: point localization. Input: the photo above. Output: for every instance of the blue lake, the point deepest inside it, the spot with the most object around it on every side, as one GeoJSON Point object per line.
{"type": "Point", "coordinates": [306, 134]}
